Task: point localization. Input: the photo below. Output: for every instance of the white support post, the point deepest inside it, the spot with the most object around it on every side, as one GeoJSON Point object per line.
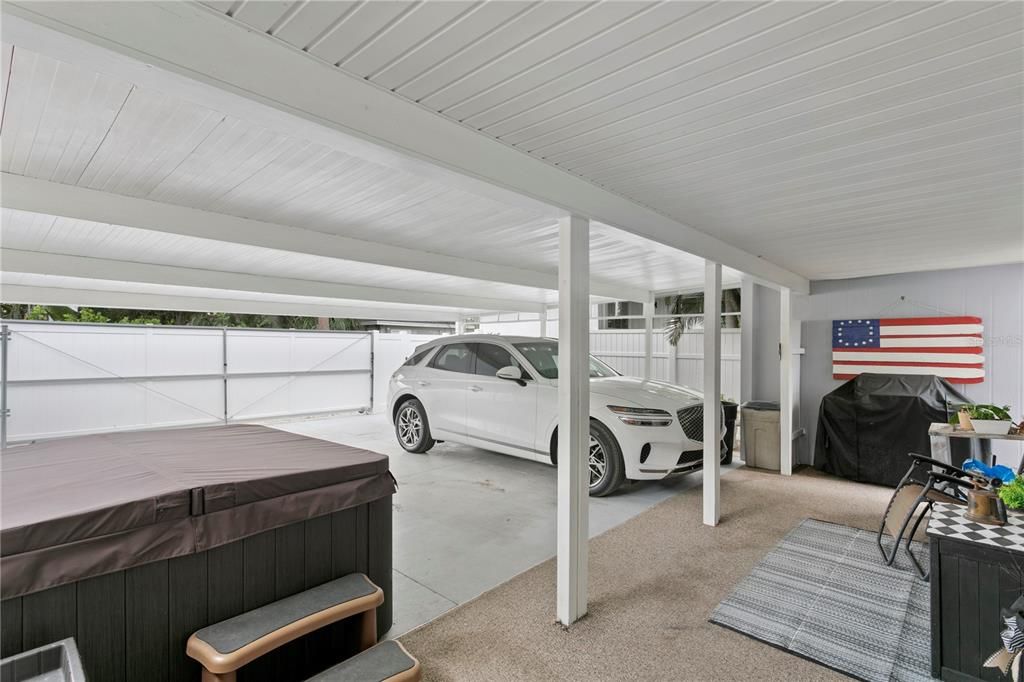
{"type": "Point", "coordinates": [747, 321]}
{"type": "Point", "coordinates": [544, 321]}
{"type": "Point", "coordinates": [573, 416]}
{"type": "Point", "coordinates": [648, 336]}
{"type": "Point", "coordinates": [712, 390]}
{"type": "Point", "coordinates": [460, 325]}
{"type": "Point", "coordinates": [786, 381]}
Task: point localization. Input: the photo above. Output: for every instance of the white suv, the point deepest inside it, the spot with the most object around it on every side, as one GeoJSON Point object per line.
{"type": "Point", "coordinates": [500, 393]}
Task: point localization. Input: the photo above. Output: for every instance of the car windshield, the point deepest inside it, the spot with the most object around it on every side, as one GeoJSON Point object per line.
{"type": "Point", "coordinates": [543, 355]}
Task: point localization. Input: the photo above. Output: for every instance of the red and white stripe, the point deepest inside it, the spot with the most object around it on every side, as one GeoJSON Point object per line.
{"type": "Point", "coordinates": [950, 347]}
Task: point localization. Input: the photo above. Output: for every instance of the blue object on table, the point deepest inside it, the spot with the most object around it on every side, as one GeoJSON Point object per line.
{"type": "Point", "coordinates": [1003, 473]}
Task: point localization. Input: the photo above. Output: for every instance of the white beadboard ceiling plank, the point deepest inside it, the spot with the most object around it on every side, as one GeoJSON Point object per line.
{"type": "Point", "coordinates": [835, 218]}
{"type": "Point", "coordinates": [951, 177]}
{"type": "Point", "coordinates": [220, 5]}
{"type": "Point", "coordinates": [151, 127]}
{"type": "Point", "coordinates": [1001, 109]}
{"type": "Point", "coordinates": [6, 61]}
{"type": "Point", "coordinates": [263, 14]}
{"type": "Point", "coordinates": [311, 20]}
{"type": "Point", "coordinates": [758, 83]}
{"type": "Point", "coordinates": [492, 103]}
{"type": "Point", "coordinates": [590, 21]}
{"type": "Point", "coordinates": [865, 148]}
{"type": "Point", "coordinates": [358, 26]}
{"type": "Point", "coordinates": [984, 145]}
{"type": "Point", "coordinates": [479, 19]}
{"type": "Point", "coordinates": [412, 29]}
{"type": "Point", "coordinates": [234, 152]}
{"type": "Point", "coordinates": [520, 28]}
{"type": "Point", "coordinates": [628, 69]}
{"type": "Point", "coordinates": [652, 99]}
{"type": "Point", "coordinates": [838, 81]}
{"type": "Point", "coordinates": [29, 89]}
{"type": "Point", "coordinates": [701, 64]}
{"type": "Point", "coordinates": [970, 80]}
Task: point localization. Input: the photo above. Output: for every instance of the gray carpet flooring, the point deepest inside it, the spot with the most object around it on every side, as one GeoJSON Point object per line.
{"type": "Point", "coordinates": [654, 581]}
{"type": "Point", "coordinates": [823, 593]}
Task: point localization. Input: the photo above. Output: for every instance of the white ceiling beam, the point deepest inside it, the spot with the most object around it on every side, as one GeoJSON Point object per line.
{"type": "Point", "coordinates": [51, 198]}
{"type": "Point", "coordinates": [102, 298]}
{"type": "Point", "coordinates": [192, 41]}
{"type": "Point", "coordinates": [40, 263]}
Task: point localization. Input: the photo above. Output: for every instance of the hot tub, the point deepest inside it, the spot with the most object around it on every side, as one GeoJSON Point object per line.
{"type": "Point", "coordinates": [129, 542]}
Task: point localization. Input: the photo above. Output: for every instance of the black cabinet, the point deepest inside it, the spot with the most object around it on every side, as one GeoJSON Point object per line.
{"type": "Point", "coordinates": [970, 583]}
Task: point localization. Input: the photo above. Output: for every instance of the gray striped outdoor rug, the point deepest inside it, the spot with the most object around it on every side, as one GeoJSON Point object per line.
{"type": "Point", "coordinates": [824, 594]}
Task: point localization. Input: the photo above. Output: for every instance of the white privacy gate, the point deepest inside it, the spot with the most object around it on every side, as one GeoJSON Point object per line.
{"type": "Point", "coordinates": [683, 364]}
{"type": "Point", "coordinates": [66, 379]}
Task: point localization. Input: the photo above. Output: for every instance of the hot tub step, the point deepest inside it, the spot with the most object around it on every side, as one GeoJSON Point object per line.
{"type": "Point", "coordinates": [224, 647]}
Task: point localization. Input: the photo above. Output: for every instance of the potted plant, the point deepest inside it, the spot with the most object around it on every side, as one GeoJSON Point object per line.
{"type": "Point", "coordinates": [1012, 494]}
{"type": "Point", "coordinates": [991, 420]}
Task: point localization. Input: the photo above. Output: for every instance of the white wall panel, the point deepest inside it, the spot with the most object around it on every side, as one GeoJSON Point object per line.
{"type": "Point", "coordinates": [623, 350]}
{"type": "Point", "coordinates": [71, 379]}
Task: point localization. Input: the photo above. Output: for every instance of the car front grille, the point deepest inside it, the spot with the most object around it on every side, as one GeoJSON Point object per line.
{"type": "Point", "coordinates": [692, 421]}
{"type": "Point", "coordinates": [691, 457]}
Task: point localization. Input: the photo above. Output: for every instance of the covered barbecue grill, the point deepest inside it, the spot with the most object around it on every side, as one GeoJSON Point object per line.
{"type": "Point", "coordinates": [867, 426]}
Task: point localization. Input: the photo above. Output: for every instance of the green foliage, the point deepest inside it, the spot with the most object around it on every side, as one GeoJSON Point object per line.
{"type": "Point", "coordinates": [37, 312]}
{"type": "Point", "coordinates": [12, 311]}
{"type": "Point", "coordinates": [983, 412]}
{"type": "Point", "coordinates": [1012, 494]}
{"type": "Point", "coordinates": [87, 315]}
{"type": "Point", "coordinates": [688, 305]}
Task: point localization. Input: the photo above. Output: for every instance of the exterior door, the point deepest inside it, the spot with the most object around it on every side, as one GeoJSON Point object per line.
{"type": "Point", "coordinates": [500, 411]}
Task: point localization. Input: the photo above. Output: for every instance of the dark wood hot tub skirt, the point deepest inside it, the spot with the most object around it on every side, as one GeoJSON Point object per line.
{"type": "Point", "coordinates": [133, 624]}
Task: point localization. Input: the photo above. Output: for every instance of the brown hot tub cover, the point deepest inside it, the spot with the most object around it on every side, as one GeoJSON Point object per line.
{"type": "Point", "coordinates": [80, 507]}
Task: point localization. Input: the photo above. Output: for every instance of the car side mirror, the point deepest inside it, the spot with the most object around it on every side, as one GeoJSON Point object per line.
{"type": "Point", "coordinates": [512, 373]}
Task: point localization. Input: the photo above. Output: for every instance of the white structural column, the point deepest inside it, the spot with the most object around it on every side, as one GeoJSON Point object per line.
{"type": "Point", "coordinates": [573, 416]}
{"type": "Point", "coordinates": [786, 380]}
{"type": "Point", "coordinates": [648, 336]}
{"type": "Point", "coordinates": [747, 322]}
{"type": "Point", "coordinates": [712, 389]}
{"type": "Point", "coordinates": [460, 325]}
{"type": "Point", "coordinates": [544, 321]}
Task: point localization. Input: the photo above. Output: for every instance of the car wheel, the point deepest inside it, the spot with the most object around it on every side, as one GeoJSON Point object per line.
{"type": "Point", "coordinates": [412, 427]}
{"type": "Point", "coordinates": [604, 461]}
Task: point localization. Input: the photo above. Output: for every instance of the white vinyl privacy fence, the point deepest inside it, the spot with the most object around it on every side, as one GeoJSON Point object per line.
{"type": "Point", "coordinates": [623, 349]}
{"type": "Point", "coordinates": [68, 379]}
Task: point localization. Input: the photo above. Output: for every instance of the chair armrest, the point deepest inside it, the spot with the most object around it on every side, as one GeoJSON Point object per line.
{"type": "Point", "coordinates": [922, 459]}
{"type": "Point", "coordinates": [959, 482]}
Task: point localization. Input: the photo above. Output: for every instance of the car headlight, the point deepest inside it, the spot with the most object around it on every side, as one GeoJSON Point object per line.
{"type": "Point", "coordinates": [641, 416]}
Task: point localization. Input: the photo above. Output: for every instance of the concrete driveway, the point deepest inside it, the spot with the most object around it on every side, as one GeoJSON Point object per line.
{"type": "Point", "coordinates": [467, 520]}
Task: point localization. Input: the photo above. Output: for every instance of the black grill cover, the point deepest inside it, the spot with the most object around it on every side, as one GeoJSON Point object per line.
{"type": "Point", "coordinates": [867, 426]}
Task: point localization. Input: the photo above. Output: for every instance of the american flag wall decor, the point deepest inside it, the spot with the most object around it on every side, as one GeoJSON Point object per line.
{"type": "Point", "coordinates": [949, 347]}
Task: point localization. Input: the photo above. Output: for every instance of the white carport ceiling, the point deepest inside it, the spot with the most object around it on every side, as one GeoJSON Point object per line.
{"type": "Point", "coordinates": [76, 291]}
{"type": "Point", "coordinates": [66, 125]}
{"type": "Point", "coordinates": [835, 139]}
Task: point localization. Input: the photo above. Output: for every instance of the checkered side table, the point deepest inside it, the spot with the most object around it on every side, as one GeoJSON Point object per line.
{"type": "Point", "coordinates": [947, 521]}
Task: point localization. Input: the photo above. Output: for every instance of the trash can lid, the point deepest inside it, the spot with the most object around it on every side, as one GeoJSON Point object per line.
{"type": "Point", "coordinates": [761, 405]}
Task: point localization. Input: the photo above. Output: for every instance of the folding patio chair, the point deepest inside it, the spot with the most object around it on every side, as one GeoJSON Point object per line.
{"type": "Point", "coordinates": [921, 485]}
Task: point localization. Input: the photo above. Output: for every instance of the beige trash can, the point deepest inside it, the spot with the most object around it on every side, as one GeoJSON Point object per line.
{"type": "Point", "coordinates": [761, 445]}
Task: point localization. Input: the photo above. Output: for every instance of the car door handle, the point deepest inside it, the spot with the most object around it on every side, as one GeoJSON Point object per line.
{"type": "Point", "coordinates": [423, 383]}
{"type": "Point", "coordinates": [475, 389]}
